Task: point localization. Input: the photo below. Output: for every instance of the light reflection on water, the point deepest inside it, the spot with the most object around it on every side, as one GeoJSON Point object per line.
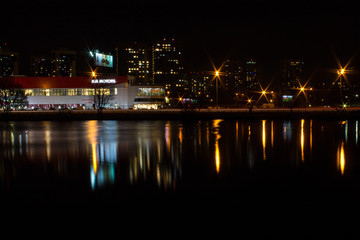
{"type": "Point", "coordinates": [162, 154]}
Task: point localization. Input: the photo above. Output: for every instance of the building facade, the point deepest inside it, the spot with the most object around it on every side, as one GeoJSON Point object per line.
{"type": "Point", "coordinates": [134, 59]}
{"type": "Point", "coordinates": [167, 65]}
{"type": "Point", "coordinates": [292, 72]}
{"type": "Point", "coordinates": [9, 61]}
{"type": "Point", "coordinates": [60, 63]}
{"type": "Point", "coordinates": [79, 92]}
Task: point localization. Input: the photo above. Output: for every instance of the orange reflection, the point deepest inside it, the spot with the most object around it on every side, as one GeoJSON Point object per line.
{"type": "Point", "coordinates": [264, 138]}
{"type": "Point", "coordinates": [48, 143]}
{"type": "Point", "coordinates": [180, 134]}
{"type": "Point", "coordinates": [341, 158]}
{"type": "Point", "coordinates": [94, 157]}
{"type": "Point", "coordinates": [91, 127]}
{"type": "Point", "coordinates": [217, 137]}
{"type": "Point", "coordinates": [272, 134]}
{"type": "Point", "coordinates": [302, 139]}
{"type": "Point", "coordinates": [249, 132]}
{"type": "Point", "coordinates": [167, 136]}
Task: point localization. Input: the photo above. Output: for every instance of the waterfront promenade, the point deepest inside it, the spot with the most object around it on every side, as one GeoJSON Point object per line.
{"type": "Point", "coordinates": [183, 114]}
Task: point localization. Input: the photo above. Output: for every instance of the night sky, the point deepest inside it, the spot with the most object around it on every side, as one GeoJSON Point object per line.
{"type": "Point", "coordinates": [267, 31]}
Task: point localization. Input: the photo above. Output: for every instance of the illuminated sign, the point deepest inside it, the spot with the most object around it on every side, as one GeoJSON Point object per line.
{"type": "Point", "coordinates": [103, 60]}
{"type": "Point", "coordinates": [287, 98]}
{"type": "Point", "coordinates": [103, 81]}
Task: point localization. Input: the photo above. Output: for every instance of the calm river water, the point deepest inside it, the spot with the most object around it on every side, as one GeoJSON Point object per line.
{"type": "Point", "coordinates": [247, 161]}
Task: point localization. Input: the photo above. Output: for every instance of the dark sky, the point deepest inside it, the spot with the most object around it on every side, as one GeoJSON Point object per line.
{"type": "Point", "coordinates": [264, 30]}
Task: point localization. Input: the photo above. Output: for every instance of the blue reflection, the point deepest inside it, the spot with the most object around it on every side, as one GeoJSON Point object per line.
{"type": "Point", "coordinates": [287, 130]}
{"type": "Point", "coordinates": [103, 142]}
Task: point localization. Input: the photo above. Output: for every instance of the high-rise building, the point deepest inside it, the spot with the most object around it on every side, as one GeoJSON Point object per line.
{"type": "Point", "coordinates": [9, 61]}
{"type": "Point", "coordinates": [241, 75]}
{"type": "Point", "coordinates": [292, 72]}
{"type": "Point", "coordinates": [167, 65]}
{"type": "Point", "coordinates": [252, 77]}
{"type": "Point", "coordinates": [63, 63]}
{"type": "Point", "coordinates": [60, 63]}
{"type": "Point", "coordinates": [134, 59]}
{"type": "Point", "coordinates": [234, 71]}
{"type": "Point", "coordinates": [41, 66]}
{"type": "Point", "coordinates": [200, 84]}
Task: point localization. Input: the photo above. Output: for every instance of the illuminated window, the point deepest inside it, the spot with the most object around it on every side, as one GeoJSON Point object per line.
{"type": "Point", "coordinates": [72, 92]}
{"type": "Point", "coordinates": [29, 92]}
{"type": "Point", "coordinates": [88, 92]}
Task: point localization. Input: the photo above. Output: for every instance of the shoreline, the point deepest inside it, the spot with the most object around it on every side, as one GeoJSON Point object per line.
{"type": "Point", "coordinates": [181, 114]}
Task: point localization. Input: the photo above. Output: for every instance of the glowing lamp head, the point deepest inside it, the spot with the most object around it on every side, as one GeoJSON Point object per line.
{"type": "Point", "coordinates": [342, 71]}
{"type": "Point", "coordinates": [93, 74]}
{"type": "Point", "coordinates": [302, 89]}
{"type": "Point", "coordinates": [217, 73]}
{"type": "Point", "coordinates": [263, 92]}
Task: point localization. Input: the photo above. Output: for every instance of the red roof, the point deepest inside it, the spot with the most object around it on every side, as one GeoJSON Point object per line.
{"type": "Point", "coordinates": [62, 82]}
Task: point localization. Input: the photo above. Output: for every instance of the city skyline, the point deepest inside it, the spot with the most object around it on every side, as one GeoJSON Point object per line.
{"type": "Point", "coordinates": [264, 31]}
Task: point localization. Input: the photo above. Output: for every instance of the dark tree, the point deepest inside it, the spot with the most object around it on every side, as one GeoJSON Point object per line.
{"type": "Point", "coordinates": [103, 94]}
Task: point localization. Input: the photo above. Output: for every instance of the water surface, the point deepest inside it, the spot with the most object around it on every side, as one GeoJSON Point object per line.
{"type": "Point", "coordinates": [247, 162]}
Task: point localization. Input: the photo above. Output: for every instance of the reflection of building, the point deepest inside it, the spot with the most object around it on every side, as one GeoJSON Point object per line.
{"type": "Point", "coordinates": [54, 92]}
{"type": "Point", "coordinates": [155, 157]}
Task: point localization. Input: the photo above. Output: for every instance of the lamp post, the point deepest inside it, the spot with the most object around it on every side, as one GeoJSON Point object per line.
{"type": "Point", "coordinates": [341, 73]}
{"type": "Point", "coordinates": [217, 88]}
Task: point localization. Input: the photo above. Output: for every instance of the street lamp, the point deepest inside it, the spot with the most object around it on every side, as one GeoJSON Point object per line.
{"type": "Point", "coordinates": [341, 73]}
{"type": "Point", "coordinates": [217, 88]}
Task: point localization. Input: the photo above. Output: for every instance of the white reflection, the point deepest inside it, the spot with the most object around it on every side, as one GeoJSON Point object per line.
{"type": "Point", "coordinates": [356, 131]}
{"type": "Point", "coordinates": [346, 130]}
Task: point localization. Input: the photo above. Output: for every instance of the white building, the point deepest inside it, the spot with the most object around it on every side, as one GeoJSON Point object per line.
{"type": "Point", "coordinates": [75, 92]}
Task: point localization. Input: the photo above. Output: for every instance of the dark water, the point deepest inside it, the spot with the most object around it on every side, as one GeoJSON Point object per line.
{"type": "Point", "coordinates": [273, 162]}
